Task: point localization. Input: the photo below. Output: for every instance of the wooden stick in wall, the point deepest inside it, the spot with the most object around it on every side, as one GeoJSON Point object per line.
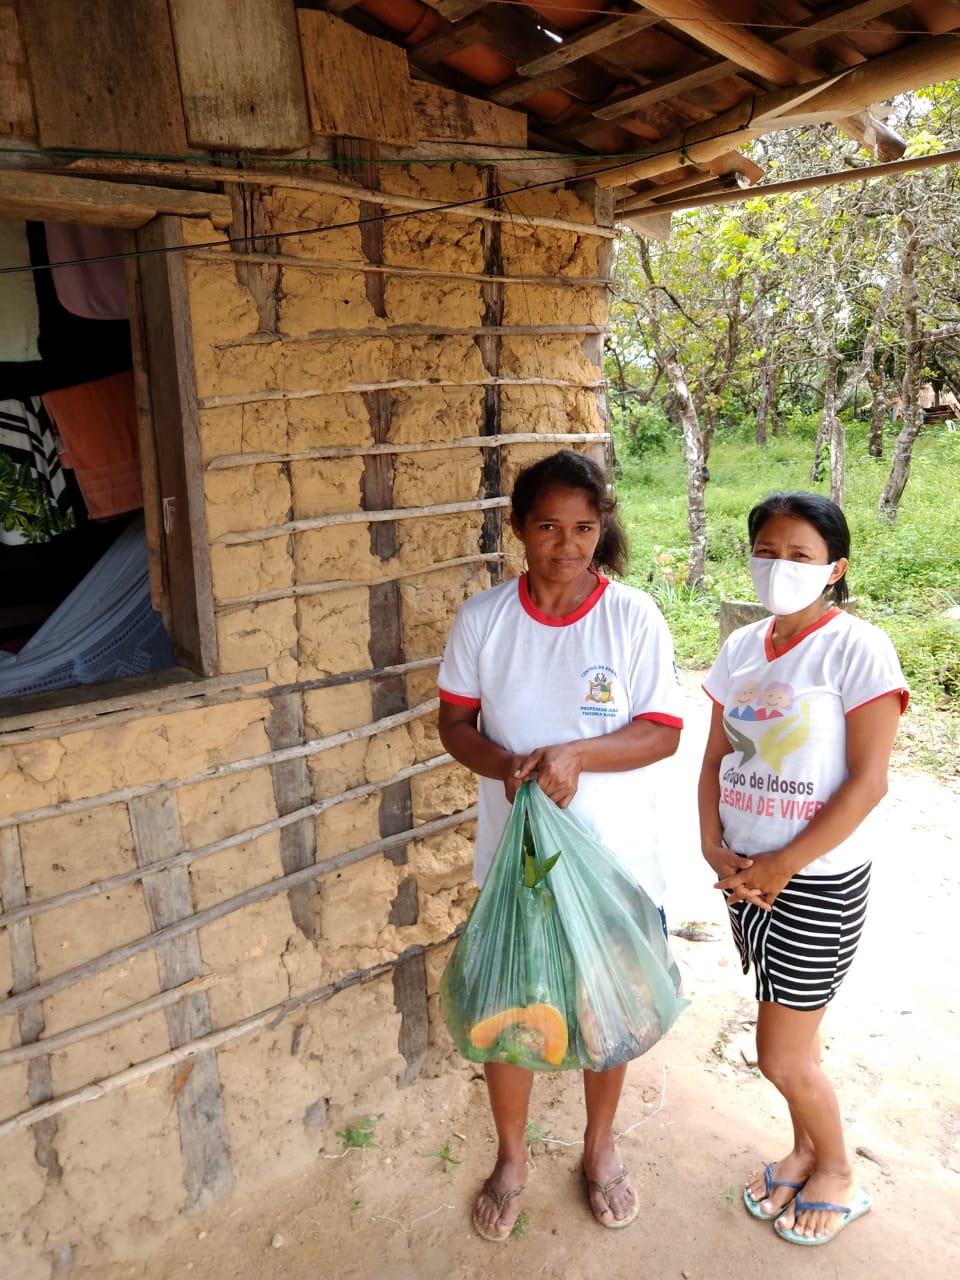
{"type": "Point", "coordinates": [261, 339]}
{"type": "Point", "coordinates": [120, 795]}
{"type": "Point", "coordinates": [259, 893]}
{"type": "Point", "coordinates": [397, 384]}
{"type": "Point", "coordinates": [227, 460]}
{"type": "Point", "coordinates": [109, 1022]}
{"type": "Point", "coordinates": [348, 191]}
{"type": "Point", "coordinates": [335, 266]}
{"type": "Point", "coordinates": [269, 1018]}
{"type": "Point", "coordinates": [302, 589]}
{"type": "Point", "coordinates": [242, 537]}
{"type": "Point", "coordinates": [186, 857]}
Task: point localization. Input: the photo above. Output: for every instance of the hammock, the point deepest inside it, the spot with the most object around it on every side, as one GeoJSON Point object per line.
{"type": "Point", "coordinates": [106, 628]}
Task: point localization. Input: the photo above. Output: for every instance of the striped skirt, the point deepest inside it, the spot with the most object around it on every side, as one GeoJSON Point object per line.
{"type": "Point", "coordinates": [802, 949]}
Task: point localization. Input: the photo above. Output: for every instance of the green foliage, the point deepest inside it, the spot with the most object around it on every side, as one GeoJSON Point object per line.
{"type": "Point", "coordinates": [521, 1226]}
{"type": "Point", "coordinates": [359, 1134]}
{"type": "Point", "coordinates": [534, 1135]}
{"type": "Point", "coordinates": [647, 429]}
{"type": "Point", "coordinates": [445, 1156]}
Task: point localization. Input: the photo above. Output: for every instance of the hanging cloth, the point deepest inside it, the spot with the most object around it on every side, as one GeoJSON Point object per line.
{"type": "Point", "coordinates": [72, 349]}
{"type": "Point", "coordinates": [93, 290]}
{"type": "Point", "coordinates": [97, 422]}
{"type": "Point", "coordinates": [106, 628]}
{"type": "Point", "coordinates": [35, 500]}
{"type": "Point", "coordinates": [19, 313]}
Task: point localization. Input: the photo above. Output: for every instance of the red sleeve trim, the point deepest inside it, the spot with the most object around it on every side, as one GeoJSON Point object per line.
{"type": "Point", "coordinates": [711, 697]}
{"type": "Point", "coordinates": [904, 700]}
{"type": "Point", "coordinates": [458, 700]}
{"type": "Point", "coordinates": [658, 717]}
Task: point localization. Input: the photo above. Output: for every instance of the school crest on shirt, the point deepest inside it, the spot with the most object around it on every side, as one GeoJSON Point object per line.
{"type": "Point", "coordinates": [600, 697]}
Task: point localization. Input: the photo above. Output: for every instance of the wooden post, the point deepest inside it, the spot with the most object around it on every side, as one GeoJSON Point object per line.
{"type": "Point", "coordinates": [604, 203]}
{"type": "Point", "coordinates": [389, 696]}
{"type": "Point", "coordinates": [490, 346]}
{"type": "Point", "coordinates": [293, 789]}
{"type": "Point", "coordinates": [204, 1140]}
{"type": "Point", "coordinates": [23, 963]}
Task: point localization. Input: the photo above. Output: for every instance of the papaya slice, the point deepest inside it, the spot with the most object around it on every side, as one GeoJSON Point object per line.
{"type": "Point", "coordinates": [547, 1027]}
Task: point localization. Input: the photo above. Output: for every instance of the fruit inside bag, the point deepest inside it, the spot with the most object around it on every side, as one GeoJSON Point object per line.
{"type": "Point", "coordinates": [563, 964]}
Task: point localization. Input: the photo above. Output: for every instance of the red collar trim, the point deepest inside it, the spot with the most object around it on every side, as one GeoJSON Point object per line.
{"type": "Point", "coordinates": [772, 654]}
{"type": "Point", "coordinates": [551, 620]}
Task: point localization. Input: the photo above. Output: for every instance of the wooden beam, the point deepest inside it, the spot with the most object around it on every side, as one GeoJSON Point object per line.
{"type": "Point", "coordinates": [441, 113]}
{"type": "Point", "coordinates": [55, 198]}
{"type": "Point", "coordinates": [843, 176]}
{"type": "Point", "coordinates": [241, 74]}
{"type": "Point", "coordinates": [17, 116]}
{"type": "Point", "coordinates": [104, 75]}
{"type": "Point", "coordinates": [647, 198]}
{"type": "Point", "coordinates": [204, 1140]}
{"type": "Point", "coordinates": [701, 22]}
{"type": "Point", "coordinates": [911, 67]}
{"type": "Point", "coordinates": [357, 86]}
{"type": "Point", "coordinates": [809, 33]}
{"type": "Point", "coordinates": [455, 10]}
{"type": "Point", "coordinates": [23, 970]}
{"type": "Point", "coordinates": [599, 35]}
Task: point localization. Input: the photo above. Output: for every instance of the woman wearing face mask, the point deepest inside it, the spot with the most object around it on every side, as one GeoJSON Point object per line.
{"type": "Point", "coordinates": [782, 800]}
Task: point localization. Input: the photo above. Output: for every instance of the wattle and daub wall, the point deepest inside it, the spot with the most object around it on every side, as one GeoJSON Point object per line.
{"type": "Point", "coordinates": [308, 354]}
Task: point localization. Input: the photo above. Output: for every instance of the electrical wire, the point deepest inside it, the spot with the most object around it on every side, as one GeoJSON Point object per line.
{"type": "Point", "coordinates": [467, 202]}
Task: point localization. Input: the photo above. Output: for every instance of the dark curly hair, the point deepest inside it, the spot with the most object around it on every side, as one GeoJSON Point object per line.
{"type": "Point", "coordinates": [568, 470]}
{"type": "Point", "coordinates": [825, 516]}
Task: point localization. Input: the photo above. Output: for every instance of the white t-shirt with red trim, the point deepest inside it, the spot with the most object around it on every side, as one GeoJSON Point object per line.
{"type": "Point", "coordinates": [541, 680]}
{"type": "Point", "coordinates": [785, 717]}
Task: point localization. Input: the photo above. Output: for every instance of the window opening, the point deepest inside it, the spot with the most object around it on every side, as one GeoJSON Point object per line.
{"type": "Point", "coordinates": [75, 605]}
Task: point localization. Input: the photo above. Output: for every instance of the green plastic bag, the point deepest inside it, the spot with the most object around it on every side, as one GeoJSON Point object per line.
{"type": "Point", "coordinates": [563, 964]}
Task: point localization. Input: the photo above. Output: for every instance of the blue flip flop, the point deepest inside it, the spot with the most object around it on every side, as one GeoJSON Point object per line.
{"type": "Point", "coordinates": [769, 1183]}
{"type": "Point", "coordinates": [859, 1205]}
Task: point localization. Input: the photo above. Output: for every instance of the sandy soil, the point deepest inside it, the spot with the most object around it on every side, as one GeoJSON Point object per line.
{"type": "Point", "coordinates": [700, 1117]}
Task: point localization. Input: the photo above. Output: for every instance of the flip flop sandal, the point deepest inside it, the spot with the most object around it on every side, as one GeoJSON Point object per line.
{"type": "Point", "coordinates": [481, 1228]}
{"type": "Point", "coordinates": [604, 1189]}
{"type": "Point", "coordinates": [769, 1183]}
{"type": "Point", "coordinates": [859, 1205]}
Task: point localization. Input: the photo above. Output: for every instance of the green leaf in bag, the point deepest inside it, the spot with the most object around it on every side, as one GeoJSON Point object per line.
{"type": "Point", "coordinates": [547, 867]}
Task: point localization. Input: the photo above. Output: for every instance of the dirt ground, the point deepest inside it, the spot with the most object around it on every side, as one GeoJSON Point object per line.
{"type": "Point", "coordinates": [699, 1118]}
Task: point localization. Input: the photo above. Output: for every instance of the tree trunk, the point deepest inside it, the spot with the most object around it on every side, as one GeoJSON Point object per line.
{"type": "Point", "coordinates": [838, 448]}
{"type": "Point", "coordinates": [766, 405]}
{"type": "Point", "coordinates": [878, 413]}
{"type": "Point", "coordinates": [696, 471]}
{"type": "Point", "coordinates": [828, 416]}
{"type": "Point", "coordinates": [912, 416]}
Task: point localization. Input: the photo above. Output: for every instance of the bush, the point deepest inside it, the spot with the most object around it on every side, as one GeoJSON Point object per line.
{"type": "Point", "coordinates": [645, 429]}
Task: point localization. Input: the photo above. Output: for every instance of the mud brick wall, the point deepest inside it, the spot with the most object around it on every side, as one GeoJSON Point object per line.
{"type": "Point", "coordinates": [315, 369]}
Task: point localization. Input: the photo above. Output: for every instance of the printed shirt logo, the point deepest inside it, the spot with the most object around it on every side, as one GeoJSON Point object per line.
{"type": "Point", "coordinates": [601, 697]}
{"type": "Point", "coordinates": [766, 725]}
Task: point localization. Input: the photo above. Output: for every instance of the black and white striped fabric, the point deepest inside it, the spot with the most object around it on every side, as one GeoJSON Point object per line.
{"type": "Point", "coordinates": [29, 442]}
{"type": "Point", "coordinates": [802, 949]}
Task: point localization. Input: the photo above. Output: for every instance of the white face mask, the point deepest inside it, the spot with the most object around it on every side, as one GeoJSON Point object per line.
{"type": "Point", "coordinates": [787, 586]}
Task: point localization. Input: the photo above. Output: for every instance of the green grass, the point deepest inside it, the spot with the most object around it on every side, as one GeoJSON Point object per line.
{"type": "Point", "coordinates": [903, 575]}
{"type": "Point", "coordinates": [359, 1134]}
{"type": "Point", "coordinates": [446, 1156]}
{"type": "Point", "coordinates": [521, 1226]}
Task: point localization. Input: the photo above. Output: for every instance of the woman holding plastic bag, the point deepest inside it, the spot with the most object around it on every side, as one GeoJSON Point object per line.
{"type": "Point", "coordinates": [567, 678]}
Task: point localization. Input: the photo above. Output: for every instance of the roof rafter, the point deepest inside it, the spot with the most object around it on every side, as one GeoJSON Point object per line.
{"type": "Point", "coordinates": [671, 86]}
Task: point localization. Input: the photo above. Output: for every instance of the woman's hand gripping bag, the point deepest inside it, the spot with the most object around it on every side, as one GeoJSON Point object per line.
{"type": "Point", "coordinates": [563, 964]}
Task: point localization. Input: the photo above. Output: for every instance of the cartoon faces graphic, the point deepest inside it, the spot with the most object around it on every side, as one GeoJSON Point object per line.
{"type": "Point", "coordinates": [745, 697]}
{"type": "Point", "coordinates": [600, 688]}
{"type": "Point", "coordinates": [775, 700]}
{"type": "Point", "coordinates": [770, 703]}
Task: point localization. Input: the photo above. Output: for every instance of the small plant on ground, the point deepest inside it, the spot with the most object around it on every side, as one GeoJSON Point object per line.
{"type": "Point", "coordinates": [359, 1134]}
{"type": "Point", "coordinates": [445, 1154]}
{"type": "Point", "coordinates": [354, 1206]}
{"type": "Point", "coordinates": [519, 1229]}
{"type": "Point", "coordinates": [534, 1136]}
{"type": "Point", "coordinates": [730, 1195]}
